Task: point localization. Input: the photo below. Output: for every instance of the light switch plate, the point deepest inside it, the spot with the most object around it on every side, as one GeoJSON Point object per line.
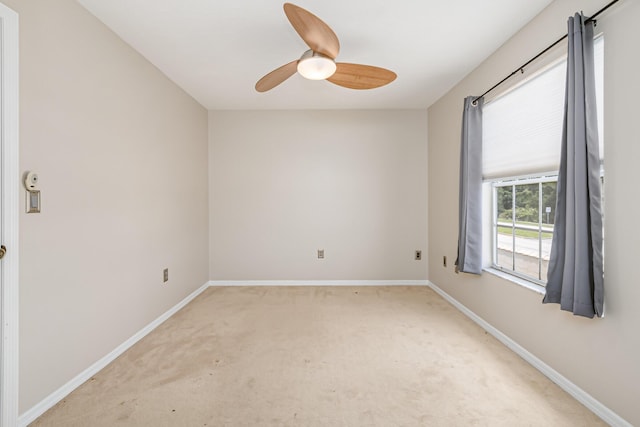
{"type": "Point", "coordinates": [33, 201]}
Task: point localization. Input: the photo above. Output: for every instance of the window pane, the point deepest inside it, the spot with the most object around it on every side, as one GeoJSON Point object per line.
{"type": "Point", "coordinates": [548, 202]}
{"type": "Point", "coordinates": [527, 202]}
{"type": "Point", "coordinates": [548, 212]}
{"type": "Point", "coordinates": [527, 230]}
{"type": "Point", "coordinates": [526, 259]}
{"type": "Point", "coordinates": [505, 247]}
{"type": "Point", "coordinates": [504, 229]}
{"type": "Point", "coordinates": [505, 202]}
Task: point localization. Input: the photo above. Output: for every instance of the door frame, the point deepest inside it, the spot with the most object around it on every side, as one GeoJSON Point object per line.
{"type": "Point", "coordinates": [10, 193]}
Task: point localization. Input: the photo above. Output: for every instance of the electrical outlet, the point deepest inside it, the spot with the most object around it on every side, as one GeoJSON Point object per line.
{"type": "Point", "coordinates": [320, 253]}
{"type": "Point", "coordinates": [165, 275]}
{"type": "Point", "coordinates": [418, 255]}
{"type": "Point", "coordinates": [444, 261]}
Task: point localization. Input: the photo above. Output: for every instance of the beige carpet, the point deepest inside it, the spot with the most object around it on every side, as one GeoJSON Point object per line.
{"type": "Point", "coordinates": [319, 356]}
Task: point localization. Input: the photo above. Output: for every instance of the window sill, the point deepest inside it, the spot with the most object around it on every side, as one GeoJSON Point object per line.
{"type": "Point", "coordinates": [517, 280]}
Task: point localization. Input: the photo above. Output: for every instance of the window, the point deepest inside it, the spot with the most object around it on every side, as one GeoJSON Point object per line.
{"type": "Point", "coordinates": [523, 225]}
{"type": "Point", "coordinates": [522, 132]}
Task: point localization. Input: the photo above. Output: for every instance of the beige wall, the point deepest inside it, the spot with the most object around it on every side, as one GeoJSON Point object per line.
{"type": "Point", "coordinates": [286, 183]}
{"type": "Point", "coordinates": [122, 157]}
{"type": "Point", "coordinates": [600, 356]}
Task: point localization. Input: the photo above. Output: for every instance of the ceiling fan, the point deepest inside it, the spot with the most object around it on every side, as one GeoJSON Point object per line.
{"type": "Point", "coordinates": [318, 63]}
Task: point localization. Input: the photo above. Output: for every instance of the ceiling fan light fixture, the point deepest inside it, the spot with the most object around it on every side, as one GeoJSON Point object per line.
{"type": "Point", "coordinates": [318, 63]}
{"type": "Point", "coordinates": [316, 66]}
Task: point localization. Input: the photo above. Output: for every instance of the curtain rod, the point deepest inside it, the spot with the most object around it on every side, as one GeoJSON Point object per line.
{"type": "Point", "coordinates": [551, 46]}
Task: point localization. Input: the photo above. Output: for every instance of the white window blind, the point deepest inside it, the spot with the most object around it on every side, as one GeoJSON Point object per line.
{"type": "Point", "coordinates": [522, 129]}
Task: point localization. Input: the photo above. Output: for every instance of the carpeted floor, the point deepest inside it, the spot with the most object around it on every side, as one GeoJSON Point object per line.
{"type": "Point", "coordinates": [319, 356]}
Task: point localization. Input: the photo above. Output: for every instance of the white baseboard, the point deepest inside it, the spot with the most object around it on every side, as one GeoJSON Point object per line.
{"type": "Point", "coordinates": [318, 283]}
{"type": "Point", "coordinates": [579, 394]}
{"type": "Point", "coordinates": [29, 416]}
{"type": "Point", "coordinates": [586, 399]}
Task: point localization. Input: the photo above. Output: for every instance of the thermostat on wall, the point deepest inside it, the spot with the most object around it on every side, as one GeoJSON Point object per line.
{"type": "Point", "coordinates": [32, 194]}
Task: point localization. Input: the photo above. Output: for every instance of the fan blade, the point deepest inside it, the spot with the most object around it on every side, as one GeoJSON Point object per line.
{"type": "Point", "coordinates": [357, 76]}
{"type": "Point", "coordinates": [315, 33]}
{"type": "Point", "coordinates": [277, 76]}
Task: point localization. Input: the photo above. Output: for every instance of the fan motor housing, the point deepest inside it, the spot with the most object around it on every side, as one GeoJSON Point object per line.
{"type": "Point", "coordinates": [316, 66]}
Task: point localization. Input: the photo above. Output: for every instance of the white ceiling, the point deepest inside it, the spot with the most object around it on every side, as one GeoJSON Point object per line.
{"type": "Point", "coordinates": [217, 50]}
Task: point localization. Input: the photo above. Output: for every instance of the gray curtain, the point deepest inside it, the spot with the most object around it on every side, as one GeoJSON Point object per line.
{"type": "Point", "coordinates": [575, 276]}
{"type": "Point", "coordinates": [470, 203]}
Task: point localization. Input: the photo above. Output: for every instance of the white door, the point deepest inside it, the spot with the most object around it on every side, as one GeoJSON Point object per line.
{"type": "Point", "coordinates": [9, 196]}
